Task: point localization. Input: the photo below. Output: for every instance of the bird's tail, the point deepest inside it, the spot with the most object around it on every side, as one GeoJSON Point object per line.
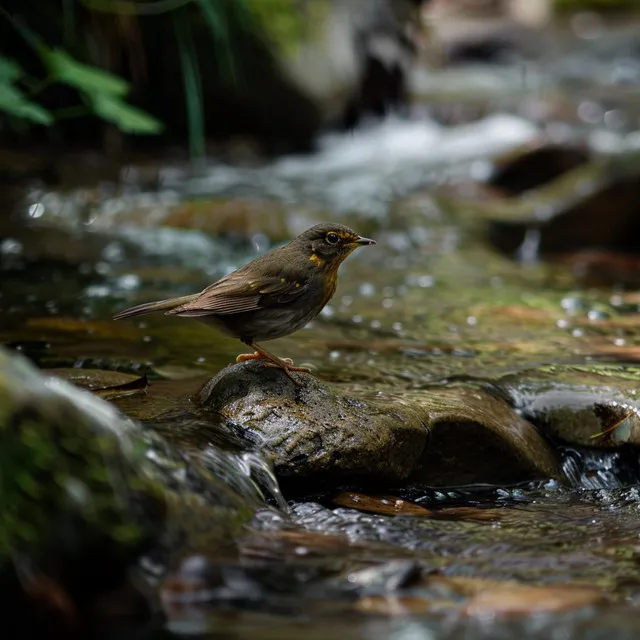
{"type": "Point", "coordinates": [151, 307]}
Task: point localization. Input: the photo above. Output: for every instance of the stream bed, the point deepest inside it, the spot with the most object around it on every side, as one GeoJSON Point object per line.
{"type": "Point", "coordinates": [501, 298]}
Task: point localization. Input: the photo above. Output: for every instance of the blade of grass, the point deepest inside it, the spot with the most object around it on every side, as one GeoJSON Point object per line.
{"type": "Point", "coordinates": [214, 12]}
{"type": "Point", "coordinates": [69, 28]}
{"type": "Point", "coordinates": [192, 87]}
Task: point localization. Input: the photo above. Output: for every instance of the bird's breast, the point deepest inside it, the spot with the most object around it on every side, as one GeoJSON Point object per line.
{"type": "Point", "coordinates": [330, 282]}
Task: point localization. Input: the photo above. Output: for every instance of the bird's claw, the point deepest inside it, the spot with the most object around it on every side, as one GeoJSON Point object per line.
{"type": "Point", "coordinates": [286, 364]}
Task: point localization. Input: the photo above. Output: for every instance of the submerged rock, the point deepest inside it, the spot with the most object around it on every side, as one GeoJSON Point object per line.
{"type": "Point", "coordinates": [322, 438]}
{"type": "Point", "coordinates": [594, 405]}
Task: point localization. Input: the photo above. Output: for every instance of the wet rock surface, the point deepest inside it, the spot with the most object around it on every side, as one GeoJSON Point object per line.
{"type": "Point", "coordinates": [594, 405]}
{"type": "Point", "coordinates": [316, 433]}
{"type": "Point", "coordinates": [321, 437]}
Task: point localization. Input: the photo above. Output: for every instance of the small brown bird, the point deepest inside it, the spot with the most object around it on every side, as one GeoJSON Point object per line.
{"type": "Point", "coordinates": [271, 296]}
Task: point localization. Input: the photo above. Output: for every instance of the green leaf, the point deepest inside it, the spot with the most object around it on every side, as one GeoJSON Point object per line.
{"type": "Point", "coordinates": [9, 70]}
{"type": "Point", "coordinates": [63, 68]}
{"type": "Point", "coordinates": [13, 102]}
{"type": "Point", "coordinates": [124, 116]}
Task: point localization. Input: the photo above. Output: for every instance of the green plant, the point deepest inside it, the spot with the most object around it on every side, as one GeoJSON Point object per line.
{"type": "Point", "coordinates": [100, 93]}
{"type": "Point", "coordinates": [74, 40]}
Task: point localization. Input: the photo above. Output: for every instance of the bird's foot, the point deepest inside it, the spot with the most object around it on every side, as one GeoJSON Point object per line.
{"type": "Point", "coordinates": [244, 357]}
{"type": "Point", "coordinates": [286, 364]}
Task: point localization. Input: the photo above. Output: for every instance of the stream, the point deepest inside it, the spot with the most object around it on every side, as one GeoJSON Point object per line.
{"type": "Point", "coordinates": [485, 273]}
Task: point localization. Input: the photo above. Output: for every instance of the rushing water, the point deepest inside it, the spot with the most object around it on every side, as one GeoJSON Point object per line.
{"type": "Point", "coordinates": [431, 302]}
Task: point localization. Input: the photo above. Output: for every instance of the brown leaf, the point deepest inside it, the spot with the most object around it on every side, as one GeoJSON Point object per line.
{"type": "Point", "coordinates": [122, 390]}
{"type": "Point", "coordinates": [400, 606]}
{"type": "Point", "coordinates": [526, 600]}
{"type": "Point", "coordinates": [384, 505]}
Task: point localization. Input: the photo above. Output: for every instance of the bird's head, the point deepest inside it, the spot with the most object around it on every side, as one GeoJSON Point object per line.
{"type": "Point", "coordinates": [328, 244]}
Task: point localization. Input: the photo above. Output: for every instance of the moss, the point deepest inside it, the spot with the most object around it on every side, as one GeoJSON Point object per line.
{"type": "Point", "coordinates": [288, 22]}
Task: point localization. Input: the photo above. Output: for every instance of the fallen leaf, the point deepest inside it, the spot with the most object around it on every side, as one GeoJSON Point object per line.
{"type": "Point", "coordinates": [526, 600]}
{"type": "Point", "coordinates": [400, 606]}
{"type": "Point", "coordinates": [102, 382]}
{"type": "Point", "coordinates": [384, 505]}
{"type": "Point", "coordinates": [122, 390]}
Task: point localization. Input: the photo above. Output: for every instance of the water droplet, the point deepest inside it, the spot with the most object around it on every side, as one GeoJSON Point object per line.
{"type": "Point", "coordinates": [367, 289]}
{"type": "Point", "coordinates": [97, 291]}
{"type": "Point", "coordinates": [587, 25]}
{"type": "Point", "coordinates": [10, 247]}
{"type": "Point", "coordinates": [590, 112]}
{"type": "Point", "coordinates": [425, 281]}
{"type": "Point", "coordinates": [129, 281]}
{"type": "Point", "coordinates": [113, 252]}
{"type": "Point", "coordinates": [36, 210]}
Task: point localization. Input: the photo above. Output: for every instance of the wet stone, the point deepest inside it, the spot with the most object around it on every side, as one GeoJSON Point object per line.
{"type": "Point", "coordinates": [320, 438]}
{"type": "Point", "coordinates": [315, 433]}
{"type": "Point", "coordinates": [589, 405]}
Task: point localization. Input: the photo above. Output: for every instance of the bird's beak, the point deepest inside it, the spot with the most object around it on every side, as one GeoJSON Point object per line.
{"type": "Point", "coordinates": [364, 242]}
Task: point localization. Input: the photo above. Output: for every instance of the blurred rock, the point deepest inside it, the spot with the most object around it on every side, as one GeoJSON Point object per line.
{"type": "Point", "coordinates": [86, 495]}
{"type": "Point", "coordinates": [535, 165]}
{"type": "Point", "coordinates": [590, 206]}
{"type": "Point", "coordinates": [486, 30]}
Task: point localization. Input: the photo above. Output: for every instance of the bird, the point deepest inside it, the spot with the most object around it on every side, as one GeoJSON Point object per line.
{"type": "Point", "coordinates": [272, 296]}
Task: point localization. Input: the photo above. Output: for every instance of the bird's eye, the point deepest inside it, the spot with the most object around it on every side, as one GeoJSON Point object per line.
{"type": "Point", "coordinates": [333, 238]}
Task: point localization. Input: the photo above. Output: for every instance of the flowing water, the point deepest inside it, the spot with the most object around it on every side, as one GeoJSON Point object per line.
{"type": "Point", "coordinates": [431, 302]}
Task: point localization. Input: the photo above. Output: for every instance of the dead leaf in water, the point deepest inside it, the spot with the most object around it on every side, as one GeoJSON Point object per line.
{"type": "Point", "coordinates": [122, 390]}
{"type": "Point", "coordinates": [526, 600]}
{"type": "Point", "coordinates": [401, 605]}
{"type": "Point", "coordinates": [106, 384]}
{"type": "Point", "coordinates": [383, 505]}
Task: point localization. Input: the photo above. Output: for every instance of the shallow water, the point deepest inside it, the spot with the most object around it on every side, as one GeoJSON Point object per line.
{"type": "Point", "coordinates": [431, 302]}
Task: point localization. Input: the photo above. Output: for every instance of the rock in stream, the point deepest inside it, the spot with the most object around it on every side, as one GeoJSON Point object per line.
{"type": "Point", "coordinates": [86, 493]}
{"type": "Point", "coordinates": [321, 437]}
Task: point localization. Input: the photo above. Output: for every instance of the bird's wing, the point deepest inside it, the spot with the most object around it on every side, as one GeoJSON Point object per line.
{"type": "Point", "coordinates": [237, 293]}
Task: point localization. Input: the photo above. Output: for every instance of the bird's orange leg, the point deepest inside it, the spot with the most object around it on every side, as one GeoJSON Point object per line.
{"type": "Point", "coordinates": [244, 357]}
{"type": "Point", "coordinates": [286, 364]}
